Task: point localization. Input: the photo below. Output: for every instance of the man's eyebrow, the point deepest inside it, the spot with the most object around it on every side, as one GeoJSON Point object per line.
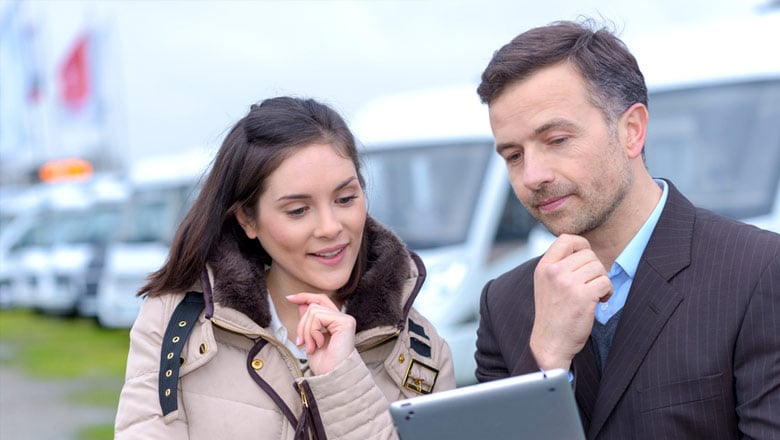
{"type": "Point", "coordinates": [504, 146]}
{"type": "Point", "coordinates": [558, 123]}
{"type": "Point", "coordinates": [339, 187]}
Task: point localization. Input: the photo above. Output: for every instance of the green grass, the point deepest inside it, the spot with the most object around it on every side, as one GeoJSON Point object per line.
{"type": "Point", "coordinates": [99, 396]}
{"type": "Point", "coordinates": [51, 348]}
{"type": "Point", "coordinates": [98, 432]}
{"type": "Point", "coordinates": [62, 348]}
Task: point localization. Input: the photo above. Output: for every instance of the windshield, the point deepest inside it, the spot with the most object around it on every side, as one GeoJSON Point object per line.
{"type": "Point", "coordinates": [427, 194]}
{"type": "Point", "coordinates": [80, 226]}
{"type": "Point", "coordinates": [153, 214]}
{"type": "Point", "coordinates": [720, 145]}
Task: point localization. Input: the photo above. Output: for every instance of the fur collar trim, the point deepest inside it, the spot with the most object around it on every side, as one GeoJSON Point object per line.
{"type": "Point", "coordinates": [239, 280]}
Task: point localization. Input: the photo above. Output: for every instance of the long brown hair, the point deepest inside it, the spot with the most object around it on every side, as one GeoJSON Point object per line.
{"type": "Point", "coordinates": [255, 146]}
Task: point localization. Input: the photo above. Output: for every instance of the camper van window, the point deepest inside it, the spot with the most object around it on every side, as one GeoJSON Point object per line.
{"type": "Point", "coordinates": [515, 223]}
{"type": "Point", "coordinates": [720, 144]}
{"type": "Point", "coordinates": [78, 226]}
{"type": "Point", "coordinates": [145, 223]}
{"type": "Point", "coordinates": [427, 194]}
{"type": "Point", "coordinates": [153, 213]}
{"type": "Point", "coordinates": [97, 225]}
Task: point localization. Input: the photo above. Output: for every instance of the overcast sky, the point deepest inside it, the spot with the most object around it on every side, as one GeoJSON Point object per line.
{"type": "Point", "coordinates": [183, 72]}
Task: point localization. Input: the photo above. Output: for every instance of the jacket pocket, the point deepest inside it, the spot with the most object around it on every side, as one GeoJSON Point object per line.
{"type": "Point", "coordinates": [679, 393]}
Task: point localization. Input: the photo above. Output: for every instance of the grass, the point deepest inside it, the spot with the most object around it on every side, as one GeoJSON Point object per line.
{"type": "Point", "coordinates": [102, 432]}
{"type": "Point", "coordinates": [51, 348]}
{"type": "Point", "coordinates": [80, 347]}
{"type": "Point", "coordinates": [96, 397]}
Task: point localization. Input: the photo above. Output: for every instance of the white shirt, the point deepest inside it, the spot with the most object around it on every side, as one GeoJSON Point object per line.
{"type": "Point", "coordinates": [280, 332]}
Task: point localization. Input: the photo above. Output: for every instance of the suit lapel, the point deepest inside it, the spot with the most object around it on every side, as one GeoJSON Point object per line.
{"type": "Point", "coordinates": [650, 304]}
{"type": "Point", "coordinates": [639, 325]}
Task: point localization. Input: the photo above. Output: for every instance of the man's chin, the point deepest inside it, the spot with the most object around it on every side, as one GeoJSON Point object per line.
{"type": "Point", "coordinates": [557, 229]}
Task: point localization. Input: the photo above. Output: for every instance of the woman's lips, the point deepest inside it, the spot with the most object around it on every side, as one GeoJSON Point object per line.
{"type": "Point", "coordinates": [330, 256]}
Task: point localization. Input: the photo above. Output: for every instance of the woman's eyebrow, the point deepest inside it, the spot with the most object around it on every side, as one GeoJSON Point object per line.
{"type": "Point", "coordinates": [339, 187]}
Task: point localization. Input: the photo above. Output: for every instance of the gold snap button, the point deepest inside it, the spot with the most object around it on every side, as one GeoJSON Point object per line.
{"type": "Point", "coordinates": [182, 323]}
{"type": "Point", "coordinates": [257, 364]}
{"type": "Point", "coordinates": [167, 392]}
{"type": "Point", "coordinates": [168, 373]}
{"type": "Point", "coordinates": [204, 348]}
{"type": "Point", "coordinates": [175, 339]}
{"type": "Point", "coordinates": [401, 359]}
{"type": "Point", "coordinates": [170, 356]}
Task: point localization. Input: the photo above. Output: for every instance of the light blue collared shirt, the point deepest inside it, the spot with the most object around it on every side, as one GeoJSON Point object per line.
{"type": "Point", "coordinates": [624, 268]}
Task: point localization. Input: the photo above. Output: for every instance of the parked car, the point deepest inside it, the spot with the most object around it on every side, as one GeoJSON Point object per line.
{"type": "Point", "coordinates": [434, 177]}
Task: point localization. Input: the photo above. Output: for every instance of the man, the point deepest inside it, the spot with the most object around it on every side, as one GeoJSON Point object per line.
{"type": "Point", "coordinates": [666, 316]}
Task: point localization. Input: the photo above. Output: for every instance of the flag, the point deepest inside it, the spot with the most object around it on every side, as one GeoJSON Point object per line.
{"type": "Point", "coordinates": [22, 91]}
{"type": "Point", "coordinates": [79, 129]}
{"type": "Point", "coordinates": [74, 75]}
{"type": "Point", "coordinates": [33, 87]}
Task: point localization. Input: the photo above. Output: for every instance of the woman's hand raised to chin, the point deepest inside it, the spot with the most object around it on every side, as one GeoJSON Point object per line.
{"type": "Point", "coordinates": [327, 334]}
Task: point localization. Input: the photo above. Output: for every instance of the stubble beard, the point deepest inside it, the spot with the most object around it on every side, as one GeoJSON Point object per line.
{"type": "Point", "coordinates": [601, 201]}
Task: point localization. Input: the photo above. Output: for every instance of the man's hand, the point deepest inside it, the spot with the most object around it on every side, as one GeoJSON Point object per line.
{"type": "Point", "coordinates": [569, 282]}
{"type": "Point", "coordinates": [328, 334]}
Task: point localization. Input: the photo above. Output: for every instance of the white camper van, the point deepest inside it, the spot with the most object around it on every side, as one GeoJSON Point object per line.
{"type": "Point", "coordinates": [434, 177]}
{"type": "Point", "coordinates": [162, 189]}
{"type": "Point", "coordinates": [52, 253]}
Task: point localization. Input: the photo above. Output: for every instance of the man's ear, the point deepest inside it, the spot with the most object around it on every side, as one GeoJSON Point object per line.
{"type": "Point", "coordinates": [247, 223]}
{"type": "Point", "coordinates": [634, 127]}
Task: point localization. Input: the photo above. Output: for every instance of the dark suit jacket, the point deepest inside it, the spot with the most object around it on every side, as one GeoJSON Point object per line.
{"type": "Point", "coordinates": [696, 354]}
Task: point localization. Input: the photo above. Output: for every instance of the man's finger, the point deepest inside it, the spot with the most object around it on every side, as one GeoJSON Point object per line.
{"type": "Point", "coordinates": [564, 246]}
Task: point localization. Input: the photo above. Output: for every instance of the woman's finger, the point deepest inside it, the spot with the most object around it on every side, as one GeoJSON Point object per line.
{"type": "Point", "coordinates": [312, 298]}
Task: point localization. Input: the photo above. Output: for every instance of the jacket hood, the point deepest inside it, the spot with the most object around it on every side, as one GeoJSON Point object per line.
{"type": "Point", "coordinates": [239, 280]}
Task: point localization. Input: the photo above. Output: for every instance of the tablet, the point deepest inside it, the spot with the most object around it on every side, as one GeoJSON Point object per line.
{"type": "Point", "coordinates": [533, 406]}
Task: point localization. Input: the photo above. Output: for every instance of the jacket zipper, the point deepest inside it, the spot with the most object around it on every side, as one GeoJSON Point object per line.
{"type": "Point", "coordinates": [379, 342]}
{"type": "Point", "coordinates": [303, 396]}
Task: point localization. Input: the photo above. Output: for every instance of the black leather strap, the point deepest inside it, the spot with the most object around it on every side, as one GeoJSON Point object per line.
{"type": "Point", "coordinates": [179, 328]}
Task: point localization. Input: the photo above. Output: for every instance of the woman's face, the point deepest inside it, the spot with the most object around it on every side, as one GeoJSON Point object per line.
{"type": "Point", "coordinates": [310, 220]}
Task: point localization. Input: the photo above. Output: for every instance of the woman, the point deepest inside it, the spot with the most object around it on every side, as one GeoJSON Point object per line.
{"type": "Point", "coordinates": [306, 328]}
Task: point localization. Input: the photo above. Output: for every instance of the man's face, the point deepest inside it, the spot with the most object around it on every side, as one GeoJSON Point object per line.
{"type": "Point", "coordinates": [564, 162]}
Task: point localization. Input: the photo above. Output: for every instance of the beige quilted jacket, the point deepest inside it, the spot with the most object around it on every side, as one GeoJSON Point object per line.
{"type": "Point", "coordinates": [232, 351]}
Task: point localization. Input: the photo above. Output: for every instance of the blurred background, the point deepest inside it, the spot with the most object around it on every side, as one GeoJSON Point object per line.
{"type": "Point", "coordinates": [110, 111]}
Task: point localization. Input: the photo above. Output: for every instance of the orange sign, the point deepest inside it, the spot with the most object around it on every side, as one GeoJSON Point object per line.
{"type": "Point", "coordinates": [65, 170]}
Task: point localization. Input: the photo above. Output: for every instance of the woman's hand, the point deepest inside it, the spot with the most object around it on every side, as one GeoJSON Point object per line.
{"type": "Point", "coordinates": [327, 334]}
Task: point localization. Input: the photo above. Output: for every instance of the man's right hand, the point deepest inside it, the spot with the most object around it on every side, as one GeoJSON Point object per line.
{"type": "Point", "coordinates": [569, 282]}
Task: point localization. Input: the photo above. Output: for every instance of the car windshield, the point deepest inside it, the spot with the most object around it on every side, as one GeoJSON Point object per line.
{"type": "Point", "coordinates": [427, 194]}
{"type": "Point", "coordinates": [719, 144]}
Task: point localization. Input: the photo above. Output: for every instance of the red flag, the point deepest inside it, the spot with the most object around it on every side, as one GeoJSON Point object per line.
{"type": "Point", "coordinates": [74, 75]}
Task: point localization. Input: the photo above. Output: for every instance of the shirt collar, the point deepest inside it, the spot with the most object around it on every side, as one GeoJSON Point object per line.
{"type": "Point", "coordinates": [628, 260]}
{"type": "Point", "coordinates": [280, 331]}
